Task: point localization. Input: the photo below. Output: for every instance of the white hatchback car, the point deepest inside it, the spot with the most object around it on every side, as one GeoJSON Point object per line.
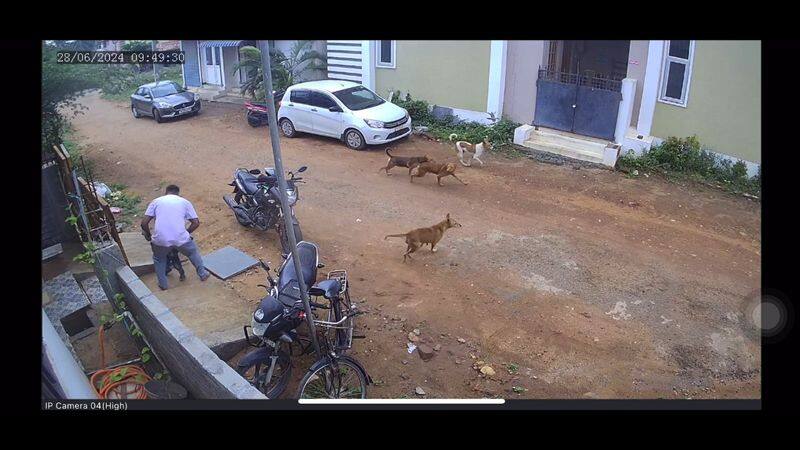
{"type": "Point", "coordinates": [344, 110]}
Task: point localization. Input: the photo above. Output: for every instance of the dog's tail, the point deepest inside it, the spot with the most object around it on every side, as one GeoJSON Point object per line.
{"type": "Point", "coordinates": [395, 235]}
{"type": "Point", "coordinates": [387, 152]}
{"type": "Point", "coordinates": [452, 136]}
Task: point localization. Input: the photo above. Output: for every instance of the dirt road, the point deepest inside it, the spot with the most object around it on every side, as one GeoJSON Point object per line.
{"type": "Point", "coordinates": [568, 283]}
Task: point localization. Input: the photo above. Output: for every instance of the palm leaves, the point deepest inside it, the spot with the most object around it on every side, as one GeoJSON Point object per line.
{"type": "Point", "coordinates": [286, 69]}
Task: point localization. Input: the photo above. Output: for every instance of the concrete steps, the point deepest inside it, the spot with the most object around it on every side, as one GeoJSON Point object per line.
{"type": "Point", "coordinates": [568, 145]}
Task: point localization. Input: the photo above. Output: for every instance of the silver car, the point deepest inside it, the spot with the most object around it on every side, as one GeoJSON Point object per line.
{"type": "Point", "coordinates": [163, 99]}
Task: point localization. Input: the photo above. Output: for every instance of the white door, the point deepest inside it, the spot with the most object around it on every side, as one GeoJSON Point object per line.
{"type": "Point", "coordinates": [212, 66]}
{"type": "Point", "coordinates": [324, 121]}
{"type": "Point", "coordinates": [299, 110]}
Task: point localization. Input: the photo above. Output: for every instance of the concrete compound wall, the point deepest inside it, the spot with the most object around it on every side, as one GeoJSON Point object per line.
{"type": "Point", "coordinates": [189, 361]}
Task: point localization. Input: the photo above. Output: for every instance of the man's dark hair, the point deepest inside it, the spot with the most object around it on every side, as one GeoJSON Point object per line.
{"type": "Point", "coordinates": [173, 189]}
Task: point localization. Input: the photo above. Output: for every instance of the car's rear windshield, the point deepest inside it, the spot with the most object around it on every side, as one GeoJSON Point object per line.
{"type": "Point", "coordinates": [163, 90]}
{"type": "Point", "coordinates": [357, 98]}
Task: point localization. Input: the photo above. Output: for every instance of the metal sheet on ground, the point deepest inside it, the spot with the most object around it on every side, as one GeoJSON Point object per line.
{"type": "Point", "coordinates": [228, 262]}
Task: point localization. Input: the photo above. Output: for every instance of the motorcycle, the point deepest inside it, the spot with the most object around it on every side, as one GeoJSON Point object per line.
{"type": "Point", "coordinates": [256, 201]}
{"type": "Point", "coordinates": [276, 320]}
{"type": "Point", "coordinates": [257, 112]}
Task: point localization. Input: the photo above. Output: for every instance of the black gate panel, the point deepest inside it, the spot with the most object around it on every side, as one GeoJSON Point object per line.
{"type": "Point", "coordinates": [583, 104]}
{"type": "Point", "coordinates": [54, 203]}
{"type": "Point", "coordinates": [596, 112]}
{"type": "Point", "coordinates": [554, 104]}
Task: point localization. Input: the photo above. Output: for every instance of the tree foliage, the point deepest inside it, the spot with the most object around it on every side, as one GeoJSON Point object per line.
{"type": "Point", "coordinates": [287, 69]}
{"type": "Point", "coordinates": [61, 85]}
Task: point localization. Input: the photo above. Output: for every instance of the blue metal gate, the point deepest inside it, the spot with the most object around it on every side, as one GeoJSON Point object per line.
{"type": "Point", "coordinates": [583, 104]}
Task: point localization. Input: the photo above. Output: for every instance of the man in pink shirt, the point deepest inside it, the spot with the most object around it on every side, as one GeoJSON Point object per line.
{"type": "Point", "coordinates": [171, 211]}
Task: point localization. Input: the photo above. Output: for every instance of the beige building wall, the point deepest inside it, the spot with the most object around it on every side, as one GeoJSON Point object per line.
{"type": "Point", "coordinates": [637, 63]}
{"type": "Point", "coordinates": [724, 104]}
{"type": "Point", "coordinates": [522, 65]}
{"type": "Point", "coordinates": [445, 73]}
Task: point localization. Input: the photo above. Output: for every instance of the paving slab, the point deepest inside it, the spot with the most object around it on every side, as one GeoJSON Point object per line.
{"type": "Point", "coordinates": [138, 251]}
{"type": "Point", "coordinates": [213, 311]}
{"type": "Point", "coordinates": [66, 297]}
{"type": "Point", "coordinates": [228, 262]}
{"type": "Point", "coordinates": [94, 290]}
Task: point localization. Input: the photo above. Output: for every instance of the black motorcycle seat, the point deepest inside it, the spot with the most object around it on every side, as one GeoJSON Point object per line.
{"type": "Point", "coordinates": [288, 288]}
{"type": "Point", "coordinates": [251, 182]}
{"type": "Point", "coordinates": [328, 288]}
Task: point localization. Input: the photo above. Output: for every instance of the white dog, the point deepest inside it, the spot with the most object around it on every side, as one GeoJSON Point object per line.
{"type": "Point", "coordinates": [464, 147]}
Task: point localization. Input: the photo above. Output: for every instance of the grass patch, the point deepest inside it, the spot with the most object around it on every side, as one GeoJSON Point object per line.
{"type": "Point", "coordinates": [500, 134]}
{"type": "Point", "coordinates": [685, 159]}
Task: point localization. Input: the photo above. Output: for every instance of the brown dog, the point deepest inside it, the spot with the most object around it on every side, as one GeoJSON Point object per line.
{"type": "Point", "coordinates": [404, 161]}
{"type": "Point", "coordinates": [440, 169]}
{"type": "Point", "coordinates": [421, 236]}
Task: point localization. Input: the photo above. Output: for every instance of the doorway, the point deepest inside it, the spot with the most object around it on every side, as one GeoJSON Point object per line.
{"type": "Point", "coordinates": [212, 65]}
{"type": "Point", "coordinates": [579, 86]}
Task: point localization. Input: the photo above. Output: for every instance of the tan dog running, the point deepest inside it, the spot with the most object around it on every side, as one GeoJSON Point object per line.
{"type": "Point", "coordinates": [429, 235]}
{"type": "Point", "coordinates": [440, 169]}
{"type": "Point", "coordinates": [463, 147]}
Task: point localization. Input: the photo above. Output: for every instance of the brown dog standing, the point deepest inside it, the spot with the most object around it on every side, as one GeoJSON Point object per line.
{"type": "Point", "coordinates": [440, 169]}
{"type": "Point", "coordinates": [429, 235]}
{"type": "Point", "coordinates": [404, 161]}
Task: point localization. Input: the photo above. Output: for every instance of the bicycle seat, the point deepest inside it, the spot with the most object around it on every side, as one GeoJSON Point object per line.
{"type": "Point", "coordinates": [327, 288]}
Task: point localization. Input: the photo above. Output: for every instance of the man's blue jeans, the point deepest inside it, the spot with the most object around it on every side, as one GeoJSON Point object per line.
{"type": "Point", "coordinates": [188, 249]}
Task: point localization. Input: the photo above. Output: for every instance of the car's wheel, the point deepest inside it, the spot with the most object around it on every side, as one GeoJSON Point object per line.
{"type": "Point", "coordinates": [287, 128]}
{"type": "Point", "coordinates": [354, 139]}
{"type": "Point", "coordinates": [157, 116]}
{"type": "Point", "coordinates": [135, 112]}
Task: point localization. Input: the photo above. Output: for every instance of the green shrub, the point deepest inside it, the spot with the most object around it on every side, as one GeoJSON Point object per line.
{"type": "Point", "coordinates": [685, 157]}
{"type": "Point", "coordinates": [499, 134]}
{"type": "Point", "coordinates": [118, 82]}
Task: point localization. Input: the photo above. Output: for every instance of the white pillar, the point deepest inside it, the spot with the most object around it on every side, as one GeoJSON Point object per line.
{"type": "Point", "coordinates": [368, 64]}
{"type": "Point", "coordinates": [652, 75]}
{"type": "Point", "coordinates": [625, 111]}
{"type": "Point", "coordinates": [497, 78]}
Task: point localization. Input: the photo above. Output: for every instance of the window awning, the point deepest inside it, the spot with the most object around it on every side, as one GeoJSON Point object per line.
{"type": "Point", "coordinates": [204, 44]}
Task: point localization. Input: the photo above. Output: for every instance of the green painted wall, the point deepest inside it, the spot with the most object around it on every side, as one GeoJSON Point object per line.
{"type": "Point", "coordinates": [446, 73]}
{"type": "Point", "coordinates": [724, 105]}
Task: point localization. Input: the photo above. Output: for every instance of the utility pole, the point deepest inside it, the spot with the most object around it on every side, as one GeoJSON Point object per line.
{"type": "Point", "coordinates": [279, 172]}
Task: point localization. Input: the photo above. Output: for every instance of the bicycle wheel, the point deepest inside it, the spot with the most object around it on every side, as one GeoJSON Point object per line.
{"type": "Point", "coordinates": [255, 369]}
{"type": "Point", "coordinates": [340, 377]}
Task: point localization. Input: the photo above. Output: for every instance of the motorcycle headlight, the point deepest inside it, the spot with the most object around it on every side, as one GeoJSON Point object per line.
{"type": "Point", "coordinates": [374, 123]}
{"type": "Point", "coordinates": [259, 314]}
{"type": "Point", "coordinates": [259, 329]}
